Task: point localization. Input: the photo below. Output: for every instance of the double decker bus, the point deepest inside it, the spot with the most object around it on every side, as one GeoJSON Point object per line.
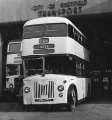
{"type": "Point", "coordinates": [14, 71]}
{"type": "Point", "coordinates": [55, 61]}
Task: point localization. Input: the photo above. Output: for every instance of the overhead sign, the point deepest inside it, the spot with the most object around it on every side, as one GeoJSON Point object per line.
{"type": "Point", "coordinates": [14, 47]}
{"type": "Point", "coordinates": [61, 9]}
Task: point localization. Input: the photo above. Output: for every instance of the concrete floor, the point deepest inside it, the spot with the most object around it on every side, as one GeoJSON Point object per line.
{"type": "Point", "coordinates": [98, 109]}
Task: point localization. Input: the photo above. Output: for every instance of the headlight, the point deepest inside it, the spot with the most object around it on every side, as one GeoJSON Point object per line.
{"type": "Point", "coordinates": [60, 94]}
{"type": "Point", "coordinates": [11, 86]}
{"type": "Point", "coordinates": [60, 88]}
{"type": "Point", "coordinates": [26, 89]}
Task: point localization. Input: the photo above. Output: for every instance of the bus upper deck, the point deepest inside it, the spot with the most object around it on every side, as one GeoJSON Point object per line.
{"type": "Point", "coordinates": [49, 34]}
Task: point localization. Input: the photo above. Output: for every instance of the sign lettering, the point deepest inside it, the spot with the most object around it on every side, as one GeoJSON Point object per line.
{"type": "Point", "coordinates": [43, 40]}
{"type": "Point", "coordinates": [63, 9]}
{"type": "Point", "coordinates": [43, 46]}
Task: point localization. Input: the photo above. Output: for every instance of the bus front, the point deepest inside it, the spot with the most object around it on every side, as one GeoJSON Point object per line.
{"type": "Point", "coordinates": [13, 72]}
{"type": "Point", "coordinates": [46, 65]}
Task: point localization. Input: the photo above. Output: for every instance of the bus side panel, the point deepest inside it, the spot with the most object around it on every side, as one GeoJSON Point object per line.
{"type": "Point", "coordinates": [82, 87]}
{"type": "Point", "coordinates": [86, 87]}
{"type": "Point", "coordinates": [77, 82]}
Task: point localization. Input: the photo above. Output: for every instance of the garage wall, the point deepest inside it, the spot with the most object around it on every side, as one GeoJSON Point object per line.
{"type": "Point", "coordinates": [20, 10]}
{"type": "Point", "coordinates": [0, 63]}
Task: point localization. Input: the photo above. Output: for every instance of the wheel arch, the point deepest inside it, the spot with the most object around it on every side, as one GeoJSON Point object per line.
{"type": "Point", "coordinates": [75, 88]}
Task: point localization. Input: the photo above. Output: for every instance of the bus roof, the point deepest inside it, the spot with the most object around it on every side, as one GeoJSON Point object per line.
{"type": "Point", "coordinates": [47, 20]}
{"type": "Point", "coordinates": [44, 20]}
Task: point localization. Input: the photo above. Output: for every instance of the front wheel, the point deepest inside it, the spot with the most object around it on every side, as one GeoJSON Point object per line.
{"type": "Point", "coordinates": [72, 99]}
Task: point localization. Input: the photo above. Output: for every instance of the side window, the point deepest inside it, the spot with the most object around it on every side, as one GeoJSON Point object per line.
{"type": "Point", "coordinates": [87, 72]}
{"type": "Point", "coordinates": [84, 42]}
{"type": "Point", "coordinates": [80, 38]}
{"type": "Point", "coordinates": [70, 31]}
{"type": "Point", "coordinates": [78, 68]}
{"type": "Point", "coordinates": [86, 69]}
{"type": "Point", "coordinates": [83, 69]}
{"type": "Point", "coordinates": [75, 34]}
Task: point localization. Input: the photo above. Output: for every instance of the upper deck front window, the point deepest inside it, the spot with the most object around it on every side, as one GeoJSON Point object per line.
{"type": "Point", "coordinates": [14, 47]}
{"type": "Point", "coordinates": [45, 30]}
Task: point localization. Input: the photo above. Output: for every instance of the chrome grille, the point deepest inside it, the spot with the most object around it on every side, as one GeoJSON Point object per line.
{"type": "Point", "coordinates": [44, 89]}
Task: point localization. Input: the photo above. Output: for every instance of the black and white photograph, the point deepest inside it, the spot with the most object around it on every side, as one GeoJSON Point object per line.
{"type": "Point", "coordinates": [55, 60]}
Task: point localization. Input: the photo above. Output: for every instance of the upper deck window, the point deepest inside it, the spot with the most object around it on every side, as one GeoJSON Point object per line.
{"type": "Point", "coordinates": [45, 30]}
{"type": "Point", "coordinates": [14, 47]}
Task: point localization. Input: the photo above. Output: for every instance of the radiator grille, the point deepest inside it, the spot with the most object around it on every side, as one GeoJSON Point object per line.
{"type": "Point", "coordinates": [44, 90]}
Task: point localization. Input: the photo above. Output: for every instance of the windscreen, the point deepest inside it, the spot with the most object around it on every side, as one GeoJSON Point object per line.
{"type": "Point", "coordinates": [12, 69]}
{"type": "Point", "coordinates": [45, 30]}
{"type": "Point", "coordinates": [33, 66]}
{"type": "Point", "coordinates": [51, 65]}
{"type": "Point", "coordinates": [59, 65]}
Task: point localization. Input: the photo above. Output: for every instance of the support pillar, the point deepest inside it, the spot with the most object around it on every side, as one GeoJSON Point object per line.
{"type": "Point", "coordinates": [1, 63]}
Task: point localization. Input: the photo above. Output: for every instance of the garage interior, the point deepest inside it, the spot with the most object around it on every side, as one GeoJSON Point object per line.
{"type": "Point", "coordinates": [97, 28]}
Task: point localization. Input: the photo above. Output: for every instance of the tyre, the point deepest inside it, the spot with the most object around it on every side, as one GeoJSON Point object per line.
{"type": "Point", "coordinates": [72, 99]}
